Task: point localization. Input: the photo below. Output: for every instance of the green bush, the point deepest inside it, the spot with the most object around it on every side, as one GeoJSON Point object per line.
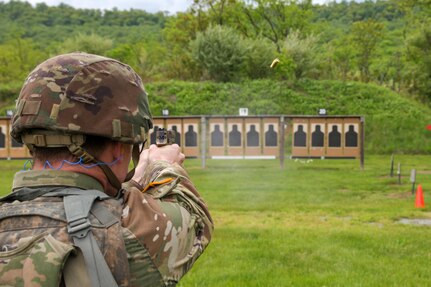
{"type": "Point", "coordinates": [221, 52]}
{"type": "Point", "coordinates": [259, 55]}
{"type": "Point", "coordinates": [8, 93]}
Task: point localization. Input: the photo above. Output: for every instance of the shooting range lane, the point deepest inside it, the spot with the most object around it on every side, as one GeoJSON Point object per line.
{"type": "Point", "coordinates": [9, 148]}
{"type": "Point", "coordinates": [327, 137]}
{"type": "Point", "coordinates": [245, 136]}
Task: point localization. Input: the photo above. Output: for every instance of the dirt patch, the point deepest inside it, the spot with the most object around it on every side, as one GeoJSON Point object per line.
{"type": "Point", "coordinates": [392, 177]}
{"type": "Point", "coordinates": [344, 190]}
{"type": "Point", "coordinates": [424, 171]}
{"type": "Point", "coordinates": [376, 224]}
{"type": "Point", "coordinates": [400, 195]}
{"type": "Point", "coordinates": [415, 221]}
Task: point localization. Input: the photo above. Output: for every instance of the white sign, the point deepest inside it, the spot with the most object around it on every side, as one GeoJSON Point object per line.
{"type": "Point", "coordinates": [322, 112]}
{"type": "Point", "coordinates": [243, 111]}
{"type": "Point", "coordinates": [413, 176]}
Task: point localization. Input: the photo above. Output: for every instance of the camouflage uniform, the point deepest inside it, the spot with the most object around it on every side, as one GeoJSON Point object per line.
{"type": "Point", "coordinates": [165, 228]}
{"type": "Point", "coordinates": [165, 225]}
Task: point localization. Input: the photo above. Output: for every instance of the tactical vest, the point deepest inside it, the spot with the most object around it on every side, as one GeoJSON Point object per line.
{"type": "Point", "coordinates": [57, 236]}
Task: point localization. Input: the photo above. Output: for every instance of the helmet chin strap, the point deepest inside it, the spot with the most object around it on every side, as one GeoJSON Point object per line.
{"type": "Point", "coordinates": [136, 152]}
{"type": "Point", "coordinates": [79, 152]}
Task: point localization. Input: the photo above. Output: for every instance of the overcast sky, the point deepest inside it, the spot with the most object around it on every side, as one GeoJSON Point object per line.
{"type": "Point", "coordinates": [151, 6]}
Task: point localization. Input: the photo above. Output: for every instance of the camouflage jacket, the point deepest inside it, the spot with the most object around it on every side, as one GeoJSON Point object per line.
{"type": "Point", "coordinates": [165, 226]}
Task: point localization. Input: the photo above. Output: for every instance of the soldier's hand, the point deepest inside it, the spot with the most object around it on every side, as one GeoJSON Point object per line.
{"type": "Point", "coordinates": [169, 153]}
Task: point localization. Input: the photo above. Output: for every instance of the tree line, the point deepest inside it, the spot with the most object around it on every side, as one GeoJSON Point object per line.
{"type": "Point", "coordinates": [386, 42]}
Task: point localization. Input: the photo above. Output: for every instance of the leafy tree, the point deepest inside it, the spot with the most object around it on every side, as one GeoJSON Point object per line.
{"type": "Point", "coordinates": [343, 57]}
{"type": "Point", "coordinates": [347, 12]}
{"type": "Point", "coordinates": [274, 19]}
{"type": "Point", "coordinates": [419, 55]}
{"type": "Point", "coordinates": [301, 50]}
{"type": "Point", "coordinates": [365, 37]}
{"type": "Point", "coordinates": [17, 58]}
{"type": "Point", "coordinates": [220, 52]}
{"type": "Point", "coordinates": [259, 55]}
{"type": "Point", "coordinates": [418, 12]}
{"type": "Point", "coordinates": [145, 58]}
{"type": "Point", "coordinates": [178, 33]}
{"type": "Point", "coordinates": [92, 43]}
{"type": "Point", "coordinates": [214, 8]}
{"type": "Point", "coordinates": [129, 54]}
{"type": "Point", "coordinates": [387, 71]}
{"type": "Point", "coordinates": [417, 40]}
{"type": "Point", "coordinates": [153, 64]}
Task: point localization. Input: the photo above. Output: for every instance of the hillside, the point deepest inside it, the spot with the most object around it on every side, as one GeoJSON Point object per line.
{"type": "Point", "coordinates": [393, 123]}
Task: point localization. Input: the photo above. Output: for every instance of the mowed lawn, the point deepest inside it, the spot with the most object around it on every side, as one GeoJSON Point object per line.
{"type": "Point", "coordinates": [313, 223]}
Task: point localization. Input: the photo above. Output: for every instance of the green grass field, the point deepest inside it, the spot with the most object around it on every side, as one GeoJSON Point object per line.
{"type": "Point", "coordinates": [313, 223]}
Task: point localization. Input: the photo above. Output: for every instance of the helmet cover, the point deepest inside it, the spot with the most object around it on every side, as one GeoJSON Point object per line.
{"type": "Point", "coordinates": [85, 94]}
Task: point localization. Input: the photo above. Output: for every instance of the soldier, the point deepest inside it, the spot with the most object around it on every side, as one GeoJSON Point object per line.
{"type": "Point", "coordinates": [84, 117]}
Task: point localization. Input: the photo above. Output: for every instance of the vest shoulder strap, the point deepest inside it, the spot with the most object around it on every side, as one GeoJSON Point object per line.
{"type": "Point", "coordinates": [77, 208]}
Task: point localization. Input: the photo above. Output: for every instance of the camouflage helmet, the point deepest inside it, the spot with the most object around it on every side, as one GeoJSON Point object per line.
{"type": "Point", "coordinates": [81, 94]}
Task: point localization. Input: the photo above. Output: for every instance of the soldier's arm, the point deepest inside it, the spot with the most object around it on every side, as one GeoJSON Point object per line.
{"type": "Point", "coordinates": [166, 214]}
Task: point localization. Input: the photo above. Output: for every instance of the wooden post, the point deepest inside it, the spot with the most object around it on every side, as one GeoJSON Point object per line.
{"type": "Point", "coordinates": [399, 173]}
{"type": "Point", "coordinates": [362, 140]}
{"type": "Point", "coordinates": [392, 165]}
{"type": "Point", "coordinates": [8, 142]}
{"type": "Point", "coordinates": [203, 141]}
{"type": "Point", "coordinates": [282, 128]}
{"type": "Point", "coordinates": [413, 179]}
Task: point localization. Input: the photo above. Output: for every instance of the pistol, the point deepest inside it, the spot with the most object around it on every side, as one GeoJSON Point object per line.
{"type": "Point", "coordinates": [165, 137]}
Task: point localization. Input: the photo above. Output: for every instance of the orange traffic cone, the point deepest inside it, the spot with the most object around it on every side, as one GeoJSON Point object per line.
{"type": "Point", "coordinates": [419, 198]}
